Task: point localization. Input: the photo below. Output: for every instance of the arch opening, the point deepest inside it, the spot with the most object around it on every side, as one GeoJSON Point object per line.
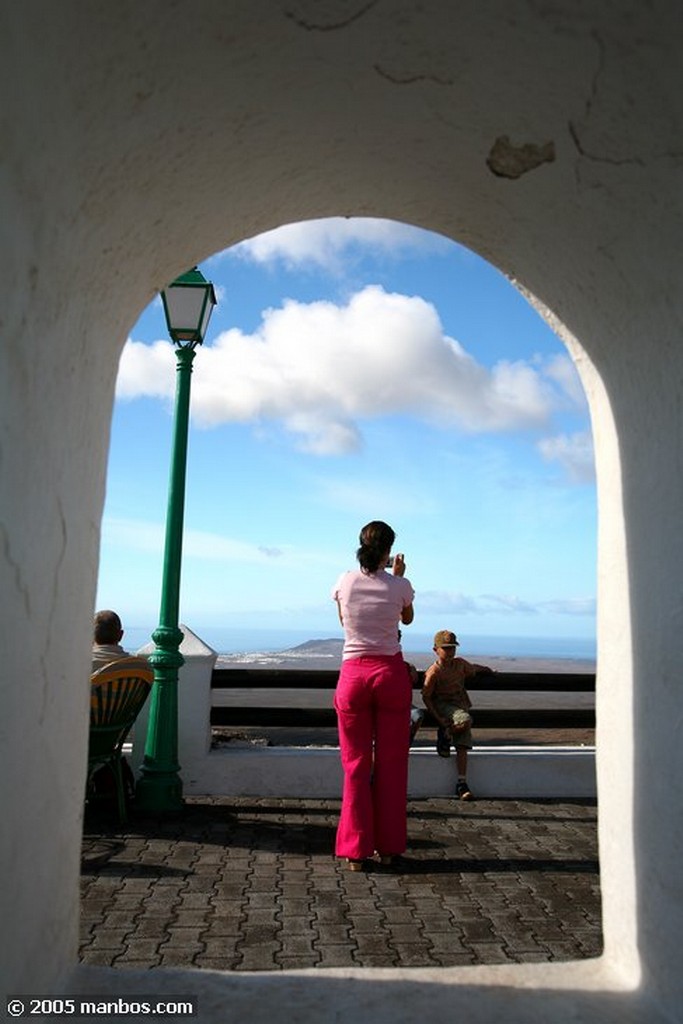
{"type": "Point", "coordinates": [329, 307]}
{"type": "Point", "coordinates": [387, 371]}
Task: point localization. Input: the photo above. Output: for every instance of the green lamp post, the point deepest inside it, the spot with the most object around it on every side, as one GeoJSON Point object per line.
{"type": "Point", "coordinates": [188, 304]}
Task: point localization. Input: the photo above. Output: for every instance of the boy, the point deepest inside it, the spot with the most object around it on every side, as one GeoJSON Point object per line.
{"type": "Point", "coordinates": [444, 694]}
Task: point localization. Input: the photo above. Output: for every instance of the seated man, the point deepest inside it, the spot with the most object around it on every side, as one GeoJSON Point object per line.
{"type": "Point", "coordinates": [107, 637]}
{"type": "Point", "coordinates": [106, 653]}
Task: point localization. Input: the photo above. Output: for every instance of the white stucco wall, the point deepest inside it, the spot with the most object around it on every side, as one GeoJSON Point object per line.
{"type": "Point", "coordinates": [140, 138]}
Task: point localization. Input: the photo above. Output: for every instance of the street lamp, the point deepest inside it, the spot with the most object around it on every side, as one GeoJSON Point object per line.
{"type": "Point", "coordinates": [188, 304]}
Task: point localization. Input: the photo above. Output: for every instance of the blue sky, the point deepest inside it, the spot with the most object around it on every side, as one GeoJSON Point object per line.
{"type": "Point", "coordinates": [357, 369]}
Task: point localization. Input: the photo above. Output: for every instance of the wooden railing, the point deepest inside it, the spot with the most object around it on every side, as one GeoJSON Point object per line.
{"type": "Point", "coordinates": [500, 717]}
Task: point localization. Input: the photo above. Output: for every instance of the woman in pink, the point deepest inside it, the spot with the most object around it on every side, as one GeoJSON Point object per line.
{"type": "Point", "coordinates": [372, 701]}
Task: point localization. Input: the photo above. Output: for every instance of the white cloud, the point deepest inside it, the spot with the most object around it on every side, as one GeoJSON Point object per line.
{"type": "Point", "coordinates": [574, 452]}
{"type": "Point", "coordinates": [321, 368]}
{"type": "Point", "coordinates": [141, 535]}
{"type": "Point", "coordinates": [322, 243]}
{"type": "Point", "coordinates": [571, 606]}
{"type": "Point", "coordinates": [562, 371]}
{"type": "Point", "coordinates": [506, 603]}
{"type": "Point", "coordinates": [444, 603]}
{"type": "Point", "coordinates": [146, 370]}
{"type": "Point", "coordinates": [320, 435]}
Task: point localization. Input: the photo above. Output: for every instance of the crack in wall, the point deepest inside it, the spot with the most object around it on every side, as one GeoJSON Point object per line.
{"type": "Point", "coordinates": [598, 73]}
{"type": "Point", "coordinates": [311, 26]}
{"type": "Point", "coordinates": [22, 589]}
{"type": "Point", "coordinates": [624, 161]}
{"type": "Point", "coordinates": [588, 111]}
{"type": "Point", "coordinates": [412, 79]}
{"type": "Point", "coordinates": [576, 135]}
{"type": "Point", "coordinates": [614, 161]}
{"type": "Point", "coordinates": [51, 615]}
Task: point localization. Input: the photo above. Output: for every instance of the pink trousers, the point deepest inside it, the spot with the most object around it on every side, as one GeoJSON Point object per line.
{"type": "Point", "coordinates": [372, 700]}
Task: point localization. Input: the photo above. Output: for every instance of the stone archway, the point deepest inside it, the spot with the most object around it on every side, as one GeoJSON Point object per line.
{"type": "Point", "coordinates": [540, 138]}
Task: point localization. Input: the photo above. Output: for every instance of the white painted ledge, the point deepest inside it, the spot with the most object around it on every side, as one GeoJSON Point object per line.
{"type": "Point", "coordinates": [315, 772]}
{"type": "Point", "coordinates": [248, 770]}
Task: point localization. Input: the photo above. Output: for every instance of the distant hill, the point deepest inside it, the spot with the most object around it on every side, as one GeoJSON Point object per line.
{"type": "Point", "coordinates": [321, 648]}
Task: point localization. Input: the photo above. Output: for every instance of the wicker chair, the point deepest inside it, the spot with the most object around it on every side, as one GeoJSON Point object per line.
{"type": "Point", "coordinates": [118, 693]}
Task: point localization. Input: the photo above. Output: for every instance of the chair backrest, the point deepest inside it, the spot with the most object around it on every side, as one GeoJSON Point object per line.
{"type": "Point", "coordinates": [118, 692]}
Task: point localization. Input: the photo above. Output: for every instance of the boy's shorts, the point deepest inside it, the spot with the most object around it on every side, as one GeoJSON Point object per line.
{"type": "Point", "coordinates": [458, 716]}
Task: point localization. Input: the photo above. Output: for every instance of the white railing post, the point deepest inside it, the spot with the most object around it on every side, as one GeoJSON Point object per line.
{"type": "Point", "coordinates": [194, 706]}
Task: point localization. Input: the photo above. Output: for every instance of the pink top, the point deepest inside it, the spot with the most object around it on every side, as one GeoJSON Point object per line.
{"type": "Point", "coordinates": [371, 606]}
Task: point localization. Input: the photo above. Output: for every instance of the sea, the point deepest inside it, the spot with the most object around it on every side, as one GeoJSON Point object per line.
{"type": "Point", "coordinates": [268, 646]}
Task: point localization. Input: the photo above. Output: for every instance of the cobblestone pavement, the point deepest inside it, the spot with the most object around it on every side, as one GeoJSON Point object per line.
{"type": "Point", "coordinates": [251, 884]}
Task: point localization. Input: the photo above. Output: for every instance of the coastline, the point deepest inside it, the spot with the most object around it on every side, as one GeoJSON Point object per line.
{"type": "Point", "coordinates": [294, 649]}
{"type": "Point", "coordinates": [331, 661]}
{"type": "Point", "coordinates": [326, 655]}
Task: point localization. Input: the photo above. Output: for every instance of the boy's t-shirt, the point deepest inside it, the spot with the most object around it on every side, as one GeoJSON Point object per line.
{"type": "Point", "coordinates": [447, 682]}
{"type": "Point", "coordinates": [371, 606]}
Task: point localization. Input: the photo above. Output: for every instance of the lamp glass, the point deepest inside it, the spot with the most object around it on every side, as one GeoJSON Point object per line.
{"type": "Point", "coordinates": [188, 304]}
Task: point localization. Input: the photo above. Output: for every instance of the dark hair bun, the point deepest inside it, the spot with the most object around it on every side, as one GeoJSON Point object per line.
{"type": "Point", "coordinates": [376, 539]}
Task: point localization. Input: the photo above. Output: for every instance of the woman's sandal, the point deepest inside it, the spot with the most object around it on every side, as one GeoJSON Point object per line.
{"type": "Point", "coordinates": [354, 865]}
